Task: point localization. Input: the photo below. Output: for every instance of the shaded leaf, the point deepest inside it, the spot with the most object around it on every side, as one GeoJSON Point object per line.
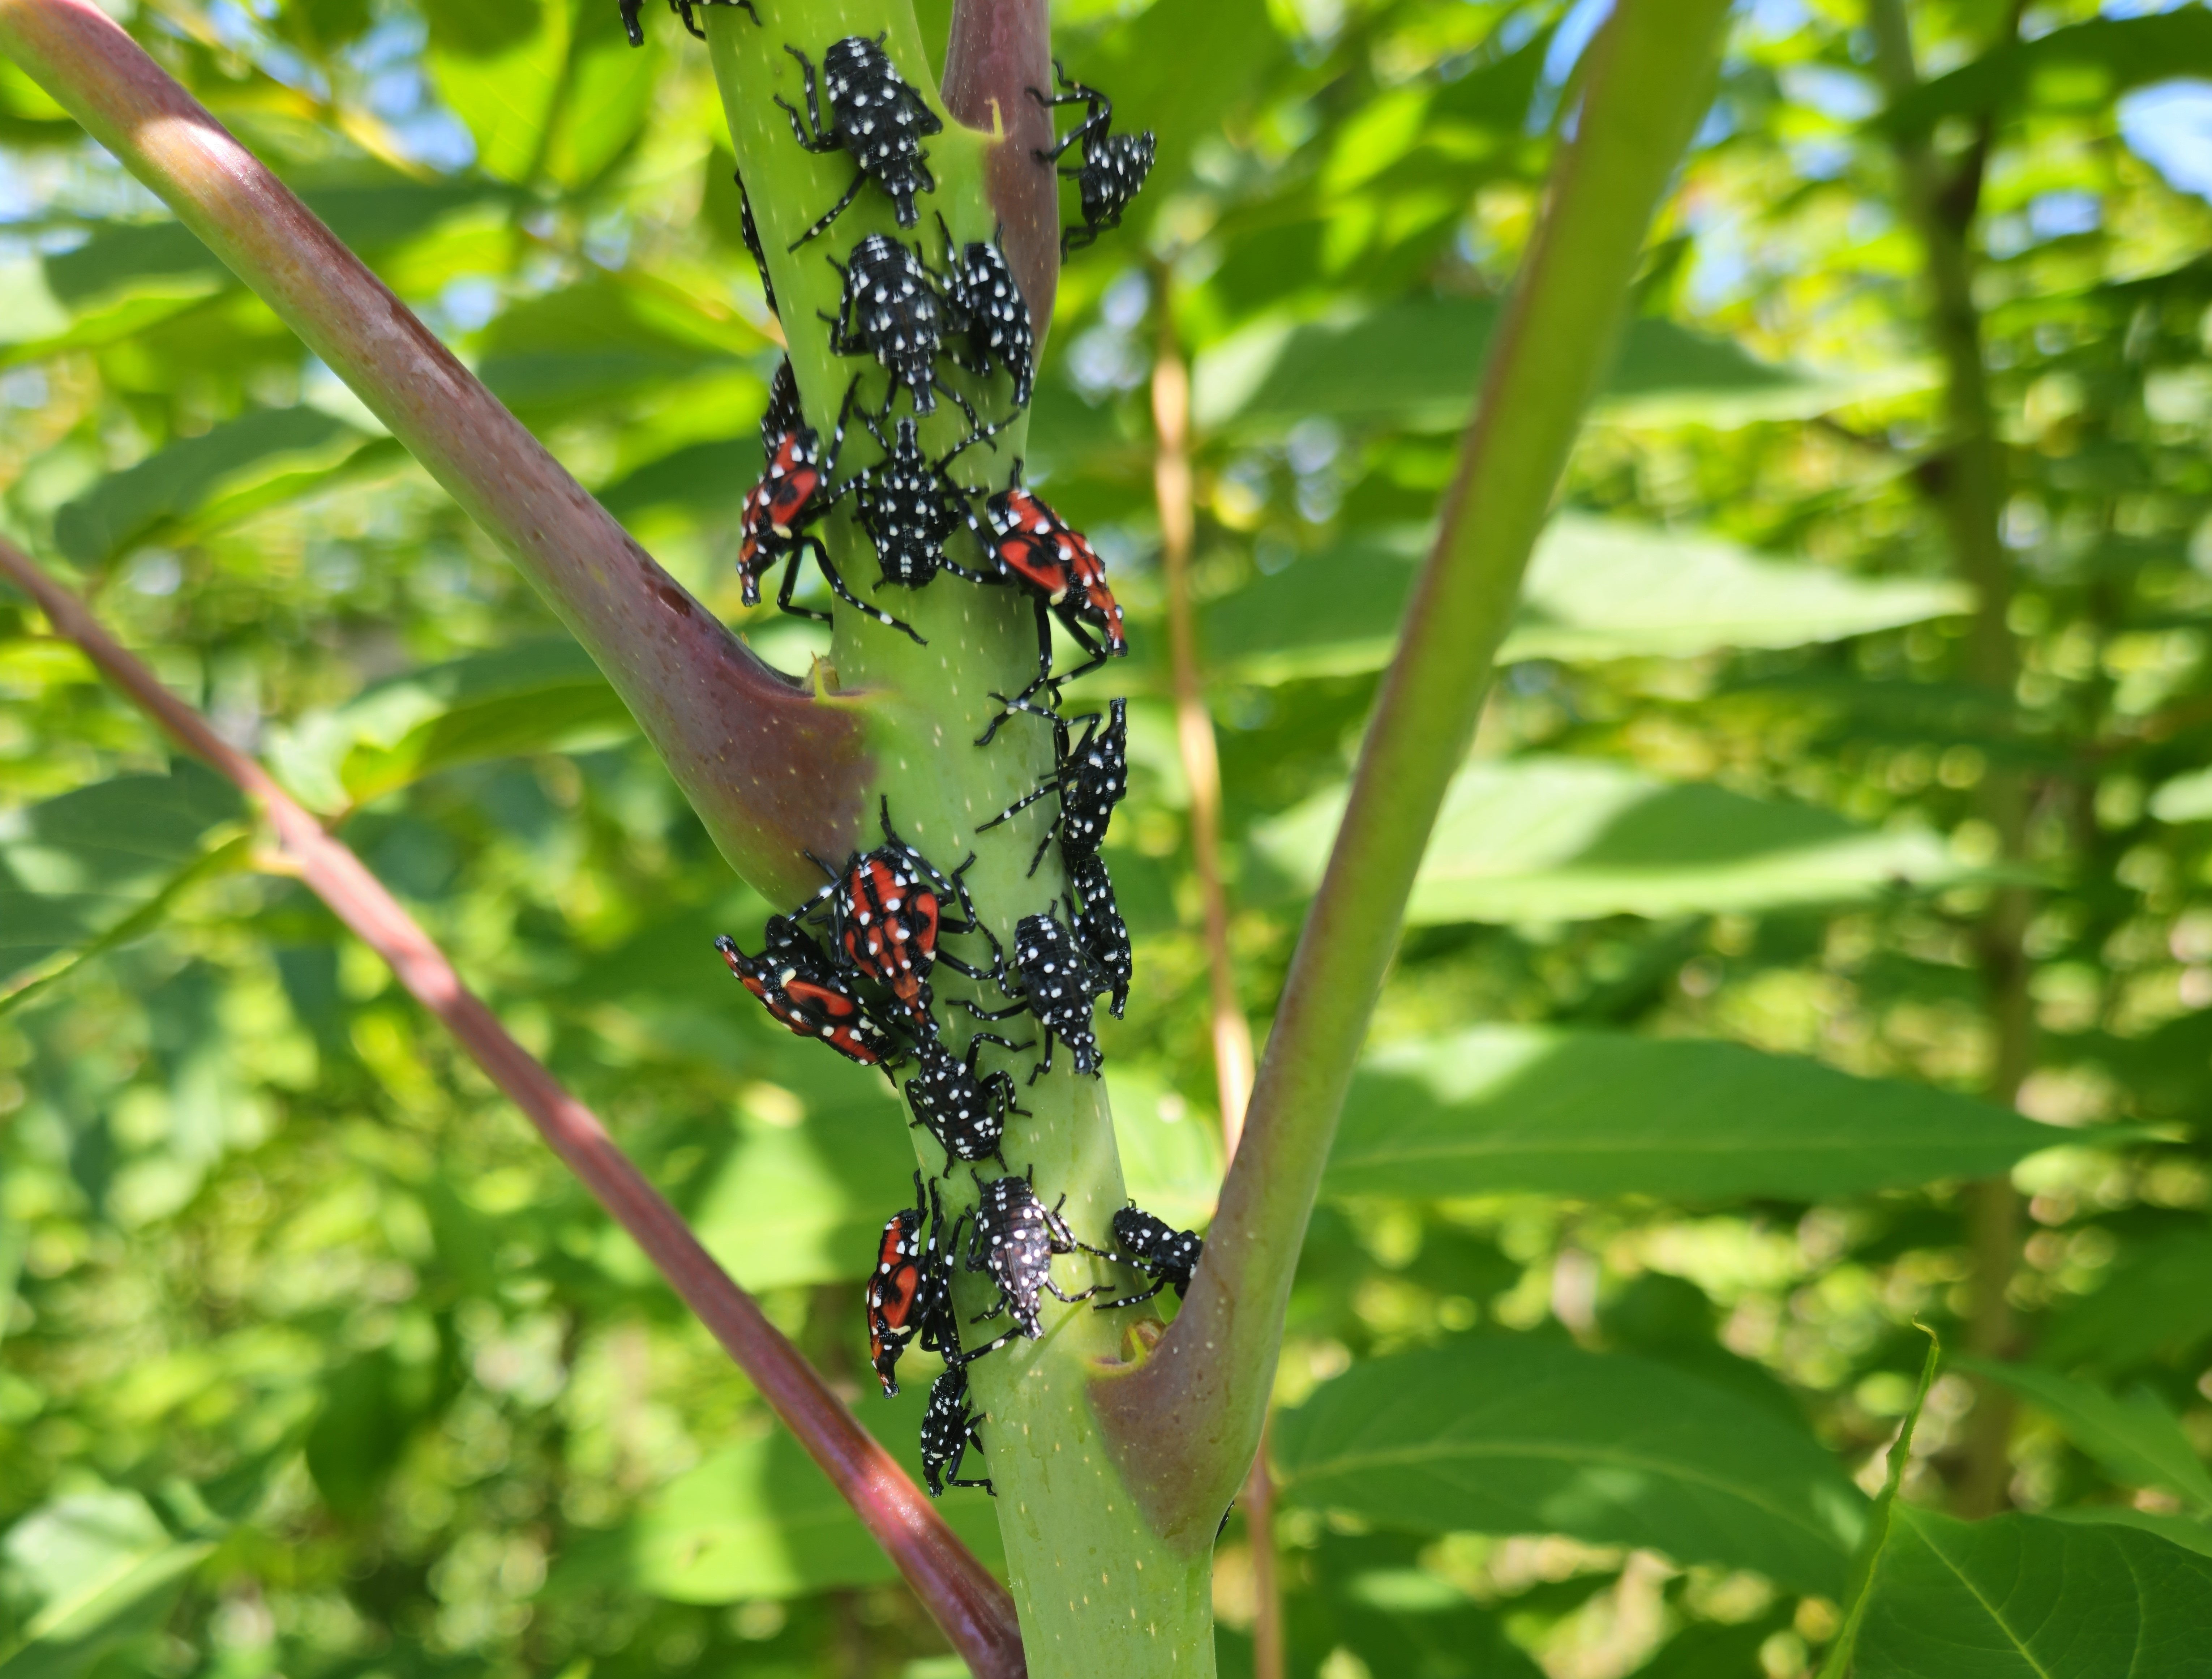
{"type": "Point", "coordinates": [2155, 1305]}
{"type": "Point", "coordinates": [1541, 839]}
{"type": "Point", "coordinates": [2029, 1596]}
{"type": "Point", "coordinates": [1511, 1435]}
{"type": "Point", "coordinates": [2138, 1439]}
{"type": "Point", "coordinates": [1589, 1114]}
{"type": "Point", "coordinates": [1597, 589]}
{"type": "Point", "coordinates": [74, 869]}
{"type": "Point", "coordinates": [263, 452]}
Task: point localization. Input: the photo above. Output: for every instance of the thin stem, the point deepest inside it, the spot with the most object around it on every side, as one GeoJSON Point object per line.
{"type": "Point", "coordinates": [1171, 485]}
{"type": "Point", "coordinates": [995, 52]}
{"type": "Point", "coordinates": [1186, 1421]}
{"type": "Point", "coordinates": [1968, 478]}
{"type": "Point", "coordinates": [973, 1609]}
{"type": "Point", "coordinates": [1172, 488]}
{"type": "Point", "coordinates": [771, 772]}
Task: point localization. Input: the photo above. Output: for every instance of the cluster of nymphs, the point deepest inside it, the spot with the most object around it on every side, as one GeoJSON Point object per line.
{"type": "Point", "coordinates": [852, 967]}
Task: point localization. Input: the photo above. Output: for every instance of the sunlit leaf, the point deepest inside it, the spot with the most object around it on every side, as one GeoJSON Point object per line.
{"type": "Point", "coordinates": [1597, 589]}
{"type": "Point", "coordinates": [537, 696]}
{"type": "Point", "coordinates": [2027, 1598]}
{"type": "Point", "coordinates": [758, 1520]}
{"type": "Point", "coordinates": [1588, 1114]}
{"type": "Point", "coordinates": [2079, 67]}
{"type": "Point", "coordinates": [1513, 1435]}
{"type": "Point", "coordinates": [1416, 364]}
{"type": "Point", "coordinates": [1561, 839]}
{"type": "Point", "coordinates": [102, 1569]}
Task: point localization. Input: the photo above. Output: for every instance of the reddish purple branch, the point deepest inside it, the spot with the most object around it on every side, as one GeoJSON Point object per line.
{"type": "Point", "coordinates": [997, 50]}
{"type": "Point", "coordinates": [771, 772]}
{"type": "Point", "coordinates": [974, 1611]}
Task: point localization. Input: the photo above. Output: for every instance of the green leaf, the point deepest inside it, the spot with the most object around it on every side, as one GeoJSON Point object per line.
{"type": "Point", "coordinates": [102, 1568]}
{"type": "Point", "coordinates": [595, 341]}
{"type": "Point", "coordinates": [76, 868]}
{"type": "Point", "coordinates": [2183, 1530]}
{"type": "Point", "coordinates": [606, 99]}
{"type": "Point", "coordinates": [1597, 589]}
{"type": "Point", "coordinates": [759, 1520]}
{"type": "Point", "coordinates": [540, 696]}
{"type": "Point", "coordinates": [1539, 839]}
{"type": "Point", "coordinates": [2029, 1597]}
{"type": "Point", "coordinates": [249, 461]}
{"type": "Point", "coordinates": [1170, 1151]}
{"type": "Point", "coordinates": [2138, 1439]}
{"type": "Point", "coordinates": [2082, 67]}
{"type": "Point", "coordinates": [1512, 1435]}
{"type": "Point", "coordinates": [801, 1203]}
{"type": "Point", "coordinates": [499, 68]}
{"type": "Point", "coordinates": [1415, 363]}
{"type": "Point", "coordinates": [2154, 1307]}
{"type": "Point", "coordinates": [1589, 1114]}
{"type": "Point", "coordinates": [1881, 1518]}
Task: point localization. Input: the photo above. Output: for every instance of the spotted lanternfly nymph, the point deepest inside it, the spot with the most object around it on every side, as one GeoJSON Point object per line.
{"type": "Point", "coordinates": [1114, 165]}
{"type": "Point", "coordinates": [797, 982]}
{"type": "Point", "coordinates": [891, 309]}
{"type": "Point", "coordinates": [875, 115]}
{"type": "Point", "coordinates": [1159, 1250]}
{"type": "Point", "coordinates": [793, 494]}
{"type": "Point", "coordinates": [886, 916]}
{"type": "Point", "coordinates": [1098, 927]}
{"type": "Point", "coordinates": [1035, 548]}
{"type": "Point", "coordinates": [750, 234]}
{"type": "Point", "coordinates": [1092, 776]}
{"type": "Point", "coordinates": [909, 507]}
{"type": "Point", "coordinates": [1012, 1241]}
{"type": "Point", "coordinates": [1054, 981]}
{"type": "Point", "coordinates": [948, 1429]}
{"type": "Point", "coordinates": [635, 30]}
{"type": "Point", "coordinates": [990, 317]}
{"type": "Point", "coordinates": [966, 1114]}
{"type": "Point", "coordinates": [909, 1293]}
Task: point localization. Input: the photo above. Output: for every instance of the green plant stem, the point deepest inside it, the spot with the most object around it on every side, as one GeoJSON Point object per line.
{"type": "Point", "coordinates": [967, 1603]}
{"type": "Point", "coordinates": [1185, 1421]}
{"type": "Point", "coordinates": [1969, 479]}
{"type": "Point", "coordinates": [1099, 1594]}
{"type": "Point", "coordinates": [771, 773]}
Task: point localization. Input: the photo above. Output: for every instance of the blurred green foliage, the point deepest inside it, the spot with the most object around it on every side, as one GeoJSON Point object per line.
{"type": "Point", "coordinates": [312, 1361]}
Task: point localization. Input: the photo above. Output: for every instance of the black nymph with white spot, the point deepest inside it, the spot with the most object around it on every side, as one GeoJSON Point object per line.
{"type": "Point", "coordinates": [1053, 981]}
{"type": "Point", "coordinates": [635, 30]}
{"type": "Point", "coordinates": [1159, 1250]}
{"type": "Point", "coordinates": [892, 310]}
{"type": "Point", "coordinates": [948, 1429]}
{"type": "Point", "coordinates": [966, 1114]}
{"type": "Point", "coordinates": [1012, 1241]}
{"type": "Point", "coordinates": [874, 114]}
{"type": "Point", "coordinates": [909, 507]}
{"type": "Point", "coordinates": [1092, 776]}
{"type": "Point", "coordinates": [1099, 929]}
{"type": "Point", "coordinates": [1114, 165]}
{"type": "Point", "coordinates": [991, 325]}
